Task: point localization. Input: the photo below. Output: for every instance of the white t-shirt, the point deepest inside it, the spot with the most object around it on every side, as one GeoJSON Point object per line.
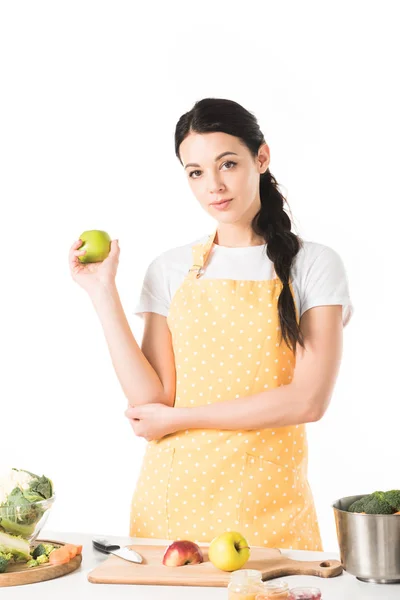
{"type": "Point", "coordinates": [318, 275]}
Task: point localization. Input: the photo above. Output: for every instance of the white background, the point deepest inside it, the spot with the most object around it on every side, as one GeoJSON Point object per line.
{"type": "Point", "coordinates": [90, 96]}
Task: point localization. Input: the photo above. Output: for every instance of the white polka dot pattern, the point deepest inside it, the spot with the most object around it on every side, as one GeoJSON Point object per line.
{"type": "Point", "coordinates": [198, 483]}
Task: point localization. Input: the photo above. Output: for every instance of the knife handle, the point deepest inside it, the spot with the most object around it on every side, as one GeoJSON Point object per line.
{"type": "Point", "coordinates": [104, 546]}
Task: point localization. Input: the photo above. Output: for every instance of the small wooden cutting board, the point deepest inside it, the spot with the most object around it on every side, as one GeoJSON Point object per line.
{"type": "Point", "coordinates": [20, 574]}
{"type": "Point", "coordinates": [151, 571]}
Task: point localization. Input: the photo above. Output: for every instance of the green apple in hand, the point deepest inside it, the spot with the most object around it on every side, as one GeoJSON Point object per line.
{"type": "Point", "coordinates": [97, 245]}
{"type": "Point", "coordinates": [229, 551]}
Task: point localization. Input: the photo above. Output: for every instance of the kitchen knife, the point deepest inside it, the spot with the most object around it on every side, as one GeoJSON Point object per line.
{"type": "Point", "coordinates": [125, 553]}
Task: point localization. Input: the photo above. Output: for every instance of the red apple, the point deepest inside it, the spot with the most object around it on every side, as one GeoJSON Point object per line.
{"type": "Point", "coordinates": [182, 552]}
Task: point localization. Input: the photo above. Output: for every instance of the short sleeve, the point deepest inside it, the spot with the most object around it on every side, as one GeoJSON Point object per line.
{"type": "Point", "coordinates": [325, 283]}
{"type": "Point", "coordinates": [154, 294]}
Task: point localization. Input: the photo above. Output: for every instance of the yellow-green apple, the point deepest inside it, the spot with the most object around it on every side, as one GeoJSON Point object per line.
{"type": "Point", "coordinates": [229, 551]}
{"type": "Point", "coordinates": [97, 245]}
{"type": "Point", "coordinates": [182, 552]}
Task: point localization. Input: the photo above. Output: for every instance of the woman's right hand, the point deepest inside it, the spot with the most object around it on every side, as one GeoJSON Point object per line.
{"type": "Point", "coordinates": [91, 276]}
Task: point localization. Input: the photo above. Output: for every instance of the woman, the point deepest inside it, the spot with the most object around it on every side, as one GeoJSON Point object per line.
{"type": "Point", "coordinates": [241, 348]}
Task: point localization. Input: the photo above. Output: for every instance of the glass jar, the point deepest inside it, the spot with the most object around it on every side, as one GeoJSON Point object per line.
{"type": "Point", "coordinates": [305, 593]}
{"type": "Point", "coordinates": [273, 590]}
{"type": "Point", "coordinates": [244, 584]}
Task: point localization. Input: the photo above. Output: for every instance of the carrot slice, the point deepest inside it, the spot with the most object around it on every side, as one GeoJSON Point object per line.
{"type": "Point", "coordinates": [59, 557]}
{"type": "Point", "coordinates": [72, 549]}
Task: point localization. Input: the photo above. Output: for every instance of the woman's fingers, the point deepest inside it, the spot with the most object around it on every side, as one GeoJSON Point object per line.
{"type": "Point", "coordinates": [73, 249]}
{"type": "Point", "coordinates": [76, 244]}
{"type": "Point", "coordinates": [114, 250]}
{"type": "Point", "coordinates": [132, 412]}
{"type": "Point", "coordinates": [75, 252]}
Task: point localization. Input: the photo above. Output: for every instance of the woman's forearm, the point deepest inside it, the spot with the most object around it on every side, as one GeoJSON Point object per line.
{"type": "Point", "coordinates": [280, 407]}
{"type": "Point", "coordinates": [139, 381]}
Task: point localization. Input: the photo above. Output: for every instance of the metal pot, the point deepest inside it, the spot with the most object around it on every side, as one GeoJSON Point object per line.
{"type": "Point", "coordinates": [369, 544]}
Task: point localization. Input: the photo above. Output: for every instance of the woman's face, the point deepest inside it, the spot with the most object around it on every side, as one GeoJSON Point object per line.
{"type": "Point", "coordinates": [234, 176]}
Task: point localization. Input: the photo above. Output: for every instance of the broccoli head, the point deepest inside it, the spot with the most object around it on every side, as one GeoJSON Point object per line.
{"type": "Point", "coordinates": [378, 503]}
{"type": "Point", "coordinates": [375, 504]}
{"type": "Point", "coordinates": [393, 498]}
{"type": "Point", "coordinates": [42, 559]}
{"type": "Point", "coordinates": [358, 505]}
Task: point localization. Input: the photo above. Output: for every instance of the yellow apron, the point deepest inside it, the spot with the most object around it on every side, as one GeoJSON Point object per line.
{"type": "Point", "coordinates": [196, 484]}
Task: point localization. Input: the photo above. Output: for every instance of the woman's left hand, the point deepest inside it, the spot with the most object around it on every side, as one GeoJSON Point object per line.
{"type": "Point", "coordinates": [152, 421]}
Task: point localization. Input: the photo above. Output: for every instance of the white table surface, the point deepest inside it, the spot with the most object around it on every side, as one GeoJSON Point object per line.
{"type": "Point", "coordinates": [76, 585]}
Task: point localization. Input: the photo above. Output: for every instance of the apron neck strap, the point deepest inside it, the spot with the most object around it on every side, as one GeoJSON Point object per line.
{"type": "Point", "coordinates": [201, 253]}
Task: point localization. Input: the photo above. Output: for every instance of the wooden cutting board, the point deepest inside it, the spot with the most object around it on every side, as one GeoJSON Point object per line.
{"type": "Point", "coordinates": [20, 574]}
{"type": "Point", "coordinates": [269, 561]}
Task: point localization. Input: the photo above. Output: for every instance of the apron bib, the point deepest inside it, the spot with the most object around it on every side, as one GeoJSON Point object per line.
{"type": "Point", "coordinates": [198, 483]}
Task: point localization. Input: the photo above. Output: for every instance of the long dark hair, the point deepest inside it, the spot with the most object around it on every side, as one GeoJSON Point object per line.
{"type": "Point", "coordinates": [271, 222]}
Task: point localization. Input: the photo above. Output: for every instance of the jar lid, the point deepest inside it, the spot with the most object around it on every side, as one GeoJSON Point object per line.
{"type": "Point", "coordinates": [279, 586]}
{"type": "Point", "coordinates": [245, 576]}
{"type": "Point", "coordinates": [305, 593]}
{"type": "Point", "coordinates": [273, 590]}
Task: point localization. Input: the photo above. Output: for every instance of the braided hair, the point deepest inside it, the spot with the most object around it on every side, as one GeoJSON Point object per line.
{"type": "Point", "coordinates": [271, 222]}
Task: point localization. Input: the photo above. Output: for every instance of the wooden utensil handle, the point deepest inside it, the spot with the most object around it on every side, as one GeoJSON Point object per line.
{"type": "Point", "coordinates": [287, 566]}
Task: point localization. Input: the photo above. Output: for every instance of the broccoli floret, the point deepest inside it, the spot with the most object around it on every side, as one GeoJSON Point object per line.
{"type": "Point", "coordinates": [3, 564]}
{"type": "Point", "coordinates": [379, 494]}
{"type": "Point", "coordinates": [377, 505]}
{"type": "Point", "coordinates": [39, 556]}
{"type": "Point", "coordinates": [42, 559]}
{"type": "Point", "coordinates": [49, 548]}
{"type": "Point", "coordinates": [357, 506]}
{"type": "Point", "coordinates": [38, 551]}
{"type": "Point", "coordinates": [393, 498]}
{"type": "Point", "coordinates": [31, 563]}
